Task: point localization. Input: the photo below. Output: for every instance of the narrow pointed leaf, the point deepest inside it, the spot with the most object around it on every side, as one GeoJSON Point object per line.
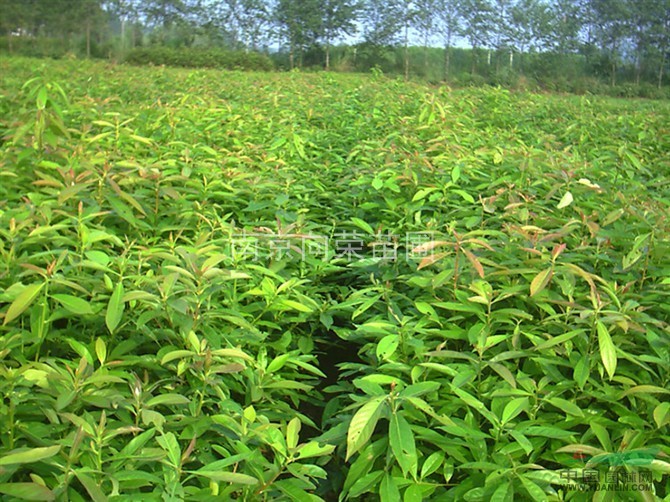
{"type": "Point", "coordinates": [363, 425]}
{"type": "Point", "coordinates": [22, 302]}
{"type": "Point", "coordinates": [607, 349]}
{"type": "Point", "coordinates": [115, 308]}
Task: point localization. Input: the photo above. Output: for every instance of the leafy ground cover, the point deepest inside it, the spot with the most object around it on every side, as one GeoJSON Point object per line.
{"type": "Point", "coordinates": [220, 285]}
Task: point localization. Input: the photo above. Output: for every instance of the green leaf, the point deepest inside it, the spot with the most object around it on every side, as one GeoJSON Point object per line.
{"type": "Point", "coordinates": [556, 340]}
{"type": "Point", "coordinates": [292, 432]}
{"type": "Point", "coordinates": [418, 389]}
{"type": "Point", "coordinates": [91, 487]}
{"type": "Point", "coordinates": [177, 354]}
{"type": "Point", "coordinates": [293, 305]}
{"type": "Point", "coordinates": [607, 349]}
{"type": "Point", "coordinates": [582, 371]}
{"type": "Point", "coordinates": [660, 466]}
{"type": "Point", "coordinates": [540, 281]}
{"type": "Point", "coordinates": [513, 408]}
{"type": "Point", "coordinates": [314, 449]}
{"type": "Point", "coordinates": [387, 346]}
{"type": "Point", "coordinates": [167, 400]}
{"type": "Point", "coordinates": [22, 302]}
{"type": "Point", "coordinates": [232, 353]}
{"type": "Point", "coordinates": [547, 431]}
{"type": "Point", "coordinates": [30, 456]}
{"type": "Point", "coordinates": [388, 489]}
{"type": "Point", "coordinates": [581, 448]}
{"type": "Point", "coordinates": [612, 217]}
{"type": "Point", "coordinates": [74, 304]}
{"type": "Point", "coordinates": [115, 308]}
{"type": "Point", "coordinates": [27, 491]}
{"type": "Point", "coordinates": [421, 194]}
{"type": "Point", "coordinates": [413, 493]}
{"type": "Point", "coordinates": [567, 406]}
{"type": "Point", "coordinates": [42, 97]}
{"type": "Point", "coordinates": [236, 478]}
{"type": "Point", "coordinates": [402, 444]}
{"type": "Point", "coordinates": [464, 195]}
{"type": "Point", "coordinates": [170, 444]}
{"type": "Point", "coordinates": [523, 441]}
{"type": "Point", "coordinates": [566, 200]}
{"type": "Point", "coordinates": [363, 424]}
{"type": "Point", "coordinates": [501, 493]}
{"type": "Point", "coordinates": [432, 464]}
{"type": "Point", "coordinates": [536, 493]}
{"type": "Point", "coordinates": [365, 484]}
{"type": "Point", "coordinates": [363, 225]}
{"type": "Point", "coordinates": [295, 489]}
{"type": "Point", "coordinates": [278, 363]}
{"type": "Point", "coordinates": [455, 174]}
{"type": "Point", "coordinates": [80, 349]}
{"type": "Point", "coordinates": [662, 414]}
{"type": "Point", "coordinates": [101, 350]}
{"type": "Point", "coordinates": [602, 435]}
{"type": "Point", "coordinates": [645, 389]}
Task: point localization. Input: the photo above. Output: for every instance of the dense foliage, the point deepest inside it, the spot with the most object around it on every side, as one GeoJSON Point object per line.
{"type": "Point", "coordinates": [222, 285]}
{"type": "Point", "coordinates": [194, 58]}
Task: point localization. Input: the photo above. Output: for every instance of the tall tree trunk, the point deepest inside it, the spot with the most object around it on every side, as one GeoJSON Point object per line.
{"type": "Point", "coordinates": [291, 57]}
{"type": "Point", "coordinates": [406, 50]}
{"type": "Point", "coordinates": [88, 38]}
{"type": "Point", "coordinates": [328, 54]}
{"type": "Point", "coordinates": [447, 59]}
{"type": "Point", "coordinates": [474, 59]}
{"type": "Point", "coordinates": [613, 78]}
{"type": "Point", "coordinates": [425, 55]}
{"type": "Point", "coordinates": [123, 34]}
{"type": "Point", "coordinates": [638, 69]}
{"type": "Point", "coordinates": [447, 54]}
{"type": "Point", "coordinates": [661, 69]}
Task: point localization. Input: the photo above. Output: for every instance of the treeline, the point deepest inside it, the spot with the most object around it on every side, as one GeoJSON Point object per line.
{"type": "Point", "coordinates": [612, 41]}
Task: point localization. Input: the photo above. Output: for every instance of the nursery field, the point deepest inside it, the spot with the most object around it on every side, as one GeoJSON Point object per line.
{"type": "Point", "coordinates": [245, 286]}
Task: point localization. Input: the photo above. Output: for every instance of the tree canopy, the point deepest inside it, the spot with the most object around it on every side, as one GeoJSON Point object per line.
{"type": "Point", "coordinates": [607, 34]}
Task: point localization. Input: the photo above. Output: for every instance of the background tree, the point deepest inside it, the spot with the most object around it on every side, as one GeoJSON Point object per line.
{"type": "Point", "coordinates": [565, 25]}
{"type": "Point", "coordinates": [383, 24]}
{"type": "Point", "coordinates": [126, 11]}
{"type": "Point", "coordinates": [426, 24]}
{"type": "Point", "coordinates": [11, 20]}
{"type": "Point", "coordinates": [244, 24]}
{"type": "Point", "coordinates": [529, 27]}
{"type": "Point", "coordinates": [478, 23]}
{"type": "Point", "coordinates": [255, 21]}
{"type": "Point", "coordinates": [299, 23]}
{"type": "Point", "coordinates": [657, 46]}
{"type": "Point", "coordinates": [448, 21]}
{"type": "Point", "coordinates": [553, 41]}
{"type": "Point", "coordinates": [611, 20]}
{"type": "Point", "coordinates": [88, 13]}
{"type": "Point", "coordinates": [339, 17]}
